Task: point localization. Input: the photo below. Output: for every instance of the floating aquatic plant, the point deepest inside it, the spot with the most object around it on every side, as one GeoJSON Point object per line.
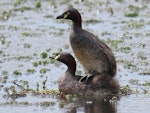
{"type": "Point", "coordinates": [2, 39]}
{"type": "Point", "coordinates": [47, 104]}
{"type": "Point", "coordinates": [125, 90]}
{"type": "Point", "coordinates": [17, 2]}
{"type": "Point", "coordinates": [17, 72]}
{"type": "Point", "coordinates": [132, 15]}
{"type": "Point", "coordinates": [25, 34]}
{"type": "Point", "coordinates": [93, 21]}
{"type": "Point", "coordinates": [44, 70]}
{"type": "Point", "coordinates": [44, 55]}
{"type": "Point", "coordinates": [23, 8]}
{"type": "Point", "coordinates": [3, 79]}
{"type": "Point", "coordinates": [5, 15]}
{"type": "Point", "coordinates": [26, 45]}
{"type": "Point", "coordinates": [31, 71]}
{"type": "Point", "coordinates": [48, 16]}
{"type": "Point", "coordinates": [38, 4]}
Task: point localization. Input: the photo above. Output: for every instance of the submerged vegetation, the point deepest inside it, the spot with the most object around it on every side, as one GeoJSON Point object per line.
{"type": "Point", "coordinates": [38, 4]}
{"type": "Point", "coordinates": [29, 34]}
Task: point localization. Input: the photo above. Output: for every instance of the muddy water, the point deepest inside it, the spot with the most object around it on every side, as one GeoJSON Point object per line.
{"type": "Point", "coordinates": [29, 28]}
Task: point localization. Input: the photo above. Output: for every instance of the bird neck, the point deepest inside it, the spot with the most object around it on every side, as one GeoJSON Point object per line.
{"type": "Point", "coordinates": [71, 67]}
{"type": "Point", "coordinates": [77, 21]}
{"type": "Point", "coordinates": [77, 25]}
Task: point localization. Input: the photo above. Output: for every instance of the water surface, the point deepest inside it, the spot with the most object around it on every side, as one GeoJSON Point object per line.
{"type": "Point", "coordinates": [27, 31]}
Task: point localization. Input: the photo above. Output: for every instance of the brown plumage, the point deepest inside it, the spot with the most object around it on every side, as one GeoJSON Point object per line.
{"type": "Point", "coordinates": [69, 82]}
{"type": "Point", "coordinates": [94, 55]}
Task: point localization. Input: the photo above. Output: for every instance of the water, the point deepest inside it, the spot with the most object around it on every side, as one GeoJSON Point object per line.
{"type": "Point", "coordinates": [25, 34]}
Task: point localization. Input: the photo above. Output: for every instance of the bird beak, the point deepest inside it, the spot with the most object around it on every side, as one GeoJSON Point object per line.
{"type": "Point", "coordinates": [64, 15]}
{"type": "Point", "coordinates": [55, 56]}
{"type": "Point", "coordinates": [60, 16]}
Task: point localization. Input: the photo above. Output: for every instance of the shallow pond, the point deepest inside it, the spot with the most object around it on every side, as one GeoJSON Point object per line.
{"type": "Point", "coordinates": [29, 33]}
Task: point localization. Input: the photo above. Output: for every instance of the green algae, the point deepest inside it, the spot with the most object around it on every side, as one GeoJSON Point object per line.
{"type": "Point", "coordinates": [26, 58]}
{"type": "Point", "coordinates": [25, 34]}
{"type": "Point", "coordinates": [92, 21]}
{"type": "Point", "coordinates": [23, 8]}
{"type": "Point", "coordinates": [61, 104]}
{"type": "Point", "coordinates": [125, 90]}
{"type": "Point", "coordinates": [38, 4]}
{"type": "Point", "coordinates": [17, 2]}
{"type": "Point", "coordinates": [2, 39]}
{"type": "Point", "coordinates": [124, 48]}
{"type": "Point", "coordinates": [31, 71]}
{"type": "Point", "coordinates": [4, 79]}
{"type": "Point", "coordinates": [42, 62]}
{"type": "Point", "coordinates": [120, 1]}
{"type": "Point", "coordinates": [44, 70]}
{"type": "Point", "coordinates": [133, 24]}
{"type": "Point", "coordinates": [114, 43]}
{"type": "Point", "coordinates": [145, 73]}
{"type": "Point", "coordinates": [79, 72]}
{"type": "Point", "coordinates": [105, 33]}
{"type": "Point", "coordinates": [5, 15]}
{"type": "Point", "coordinates": [35, 64]}
{"type": "Point", "coordinates": [26, 45]}
{"type": "Point", "coordinates": [17, 73]}
{"type": "Point", "coordinates": [48, 16]}
{"type": "Point", "coordinates": [44, 55]}
{"type": "Point", "coordinates": [147, 83]}
{"type": "Point", "coordinates": [1, 52]}
{"type": "Point", "coordinates": [47, 103]}
{"type": "Point", "coordinates": [4, 72]}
